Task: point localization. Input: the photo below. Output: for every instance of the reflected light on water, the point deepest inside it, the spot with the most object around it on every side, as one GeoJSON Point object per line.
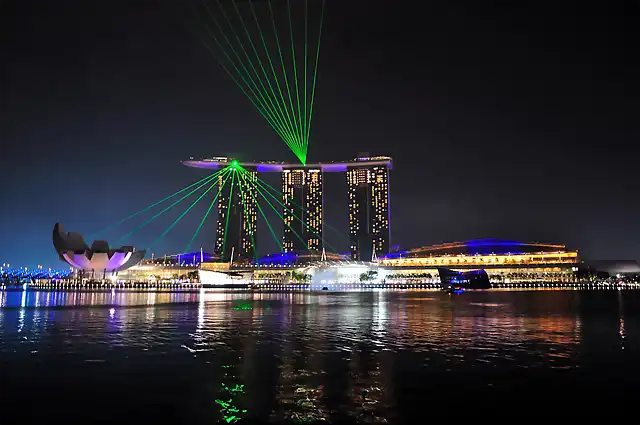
{"type": "Point", "coordinates": [335, 357]}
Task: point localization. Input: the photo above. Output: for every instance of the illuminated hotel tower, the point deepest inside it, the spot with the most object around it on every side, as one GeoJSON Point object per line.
{"type": "Point", "coordinates": [237, 217]}
{"type": "Point", "coordinates": [302, 199]}
{"type": "Point", "coordinates": [368, 210]}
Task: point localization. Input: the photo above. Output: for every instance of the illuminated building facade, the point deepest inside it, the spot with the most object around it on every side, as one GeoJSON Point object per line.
{"type": "Point", "coordinates": [237, 217]}
{"type": "Point", "coordinates": [302, 211]}
{"type": "Point", "coordinates": [504, 261]}
{"type": "Point", "coordinates": [369, 233]}
{"type": "Point", "coordinates": [302, 195]}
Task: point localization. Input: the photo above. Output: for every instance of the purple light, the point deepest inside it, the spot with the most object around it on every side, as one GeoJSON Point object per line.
{"type": "Point", "coordinates": [268, 168]}
{"type": "Point", "coordinates": [335, 168]}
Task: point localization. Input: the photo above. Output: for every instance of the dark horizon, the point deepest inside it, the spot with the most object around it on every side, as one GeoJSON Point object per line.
{"type": "Point", "coordinates": [511, 120]}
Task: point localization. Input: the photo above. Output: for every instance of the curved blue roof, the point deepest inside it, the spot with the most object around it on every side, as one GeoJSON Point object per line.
{"type": "Point", "coordinates": [486, 246]}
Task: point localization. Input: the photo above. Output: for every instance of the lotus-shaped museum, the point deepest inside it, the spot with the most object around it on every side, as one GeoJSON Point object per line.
{"type": "Point", "coordinates": [72, 248]}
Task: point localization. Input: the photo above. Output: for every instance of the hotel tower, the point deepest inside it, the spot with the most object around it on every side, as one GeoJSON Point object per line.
{"type": "Point", "coordinates": [368, 210]}
{"type": "Point", "coordinates": [237, 217]}
{"type": "Point", "coordinates": [302, 211]}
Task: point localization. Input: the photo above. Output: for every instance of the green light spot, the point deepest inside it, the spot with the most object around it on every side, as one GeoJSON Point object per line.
{"type": "Point", "coordinates": [234, 163]}
{"type": "Point", "coordinates": [238, 388]}
{"type": "Point", "coordinates": [224, 404]}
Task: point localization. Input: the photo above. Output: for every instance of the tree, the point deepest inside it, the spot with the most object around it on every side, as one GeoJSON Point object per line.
{"type": "Point", "coordinates": [368, 276]}
{"type": "Point", "coordinates": [300, 277]}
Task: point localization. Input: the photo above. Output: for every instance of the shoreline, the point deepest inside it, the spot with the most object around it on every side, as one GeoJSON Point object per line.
{"type": "Point", "coordinates": [143, 287]}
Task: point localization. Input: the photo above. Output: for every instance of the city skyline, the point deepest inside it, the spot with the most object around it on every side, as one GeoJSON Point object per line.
{"type": "Point", "coordinates": [499, 126]}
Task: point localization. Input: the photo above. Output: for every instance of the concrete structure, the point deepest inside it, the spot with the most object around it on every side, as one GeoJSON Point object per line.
{"type": "Point", "coordinates": [369, 220]}
{"type": "Point", "coordinates": [302, 211]}
{"type": "Point", "coordinates": [219, 162]}
{"type": "Point", "coordinates": [99, 258]}
{"type": "Point", "coordinates": [237, 225]}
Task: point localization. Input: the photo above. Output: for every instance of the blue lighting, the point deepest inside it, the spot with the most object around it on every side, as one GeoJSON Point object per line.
{"type": "Point", "coordinates": [25, 274]}
{"type": "Point", "coordinates": [491, 241]}
{"type": "Point", "coordinates": [398, 254]}
{"type": "Point", "coordinates": [282, 258]}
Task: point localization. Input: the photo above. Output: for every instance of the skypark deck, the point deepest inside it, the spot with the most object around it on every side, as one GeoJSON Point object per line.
{"type": "Point", "coordinates": [216, 163]}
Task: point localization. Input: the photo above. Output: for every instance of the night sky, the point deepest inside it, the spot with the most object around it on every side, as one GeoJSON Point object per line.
{"type": "Point", "coordinates": [514, 120]}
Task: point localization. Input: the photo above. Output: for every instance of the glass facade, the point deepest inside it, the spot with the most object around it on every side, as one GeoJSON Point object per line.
{"type": "Point", "coordinates": [369, 232]}
{"type": "Point", "coordinates": [501, 268]}
{"type": "Point", "coordinates": [237, 217]}
{"type": "Point", "coordinates": [302, 215]}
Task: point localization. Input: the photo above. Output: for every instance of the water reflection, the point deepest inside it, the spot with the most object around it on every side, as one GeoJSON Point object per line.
{"type": "Point", "coordinates": [302, 357]}
{"type": "Point", "coordinates": [35, 299]}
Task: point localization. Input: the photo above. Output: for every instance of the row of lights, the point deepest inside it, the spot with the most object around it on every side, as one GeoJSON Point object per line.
{"type": "Point", "coordinates": [113, 285]}
{"type": "Point", "coordinates": [567, 285]}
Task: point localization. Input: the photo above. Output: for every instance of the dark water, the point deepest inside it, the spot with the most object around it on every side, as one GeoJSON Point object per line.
{"type": "Point", "coordinates": [377, 357]}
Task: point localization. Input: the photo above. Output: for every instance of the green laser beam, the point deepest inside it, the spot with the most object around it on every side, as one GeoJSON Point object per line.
{"type": "Point", "coordinates": [149, 207]}
{"type": "Point", "coordinates": [264, 72]}
{"type": "Point", "coordinates": [266, 110]}
{"type": "Point", "coordinates": [309, 228]}
{"type": "Point", "coordinates": [277, 192]}
{"type": "Point", "coordinates": [280, 215]}
{"type": "Point", "coordinates": [259, 190]}
{"type": "Point", "coordinates": [204, 218]}
{"type": "Point", "coordinates": [226, 226]}
{"type": "Point", "coordinates": [304, 130]}
{"type": "Point", "coordinates": [250, 62]}
{"type": "Point", "coordinates": [273, 71]}
{"type": "Point", "coordinates": [166, 209]}
{"type": "Point", "coordinates": [264, 216]}
{"type": "Point", "coordinates": [260, 108]}
{"type": "Point", "coordinates": [177, 220]}
{"type": "Point", "coordinates": [315, 73]}
{"type": "Point", "coordinates": [284, 70]}
{"type": "Point", "coordinates": [243, 197]}
{"type": "Point", "coordinates": [290, 120]}
{"type": "Point", "coordinates": [295, 68]}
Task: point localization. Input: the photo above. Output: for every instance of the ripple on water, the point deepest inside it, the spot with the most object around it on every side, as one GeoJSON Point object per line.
{"type": "Point", "coordinates": [364, 357]}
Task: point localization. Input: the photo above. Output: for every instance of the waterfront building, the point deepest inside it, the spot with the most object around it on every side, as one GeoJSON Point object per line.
{"type": "Point", "coordinates": [300, 258]}
{"type": "Point", "coordinates": [237, 217]}
{"type": "Point", "coordinates": [99, 259]}
{"type": "Point", "coordinates": [167, 268]}
{"type": "Point", "coordinates": [369, 221]}
{"type": "Point", "coordinates": [504, 261]}
{"type": "Point", "coordinates": [302, 194]}
{"type": "Point", "coordinates": [302, 209]}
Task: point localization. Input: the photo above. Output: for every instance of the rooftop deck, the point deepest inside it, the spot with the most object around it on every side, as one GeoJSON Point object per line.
{"type": "Point", "coordinates": [216, 163]}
